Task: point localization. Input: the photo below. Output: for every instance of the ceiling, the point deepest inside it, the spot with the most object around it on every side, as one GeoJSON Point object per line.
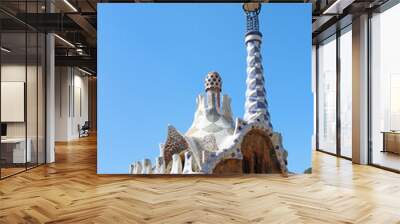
{"type": "Point", "coordinates": [75, 23]}
{"type": "Point", "coordinates": [332, 15]}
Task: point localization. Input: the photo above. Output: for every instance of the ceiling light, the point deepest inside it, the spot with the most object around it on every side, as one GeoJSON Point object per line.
{"type": "Point", "coordinates": [80, 51]}
{"type": "Point", "coordinates": [65, 41]}
{"type": "Point", "coordinates": [5, 50]}
{"type": "Point", "coordinates": [84, 71]}
{"type": "Point", "coordinates": [337, 7]}
{"type": "Point", "coordinates": [70, 5]}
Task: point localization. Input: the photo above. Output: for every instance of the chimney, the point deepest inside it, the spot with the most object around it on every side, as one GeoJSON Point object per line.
{"type": "Point", "coordinates": [213, 84]}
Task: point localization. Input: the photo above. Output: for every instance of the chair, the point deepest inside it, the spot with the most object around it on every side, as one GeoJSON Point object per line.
{"type": "Point", "coordinates": [84, 130]}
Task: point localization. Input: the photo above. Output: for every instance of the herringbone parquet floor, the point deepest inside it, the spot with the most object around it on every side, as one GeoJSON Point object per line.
{"type": "Point", "coordinates": [70, 191]}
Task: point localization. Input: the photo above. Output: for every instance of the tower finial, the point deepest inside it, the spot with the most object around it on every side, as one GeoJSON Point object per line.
{"type": "Point", "coordinates": [213, 81]}
{"type": "Point", "coordinates": [213, 86]}
{"type": "Point", "coordinates": [252, 9]}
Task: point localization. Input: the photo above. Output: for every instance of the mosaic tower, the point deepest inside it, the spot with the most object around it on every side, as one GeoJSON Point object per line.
{"type": "Point", "coordinates": [256, 102]}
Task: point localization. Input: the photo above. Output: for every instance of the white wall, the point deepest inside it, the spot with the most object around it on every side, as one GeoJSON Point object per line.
{"type": "Point", "coordinates": [17, 73]}
{"type": "Point", "coordinates": [62, 82]}
{"type": "Point", "coordinates": [14, 73]}
{"type": "Point", "coordinates": [10, 73]}
{"type": "Point", "coordinates": [71, 102]}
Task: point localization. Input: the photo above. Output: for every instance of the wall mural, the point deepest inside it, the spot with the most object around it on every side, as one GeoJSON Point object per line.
{"type": "Point", "coordinates": [216, 142]}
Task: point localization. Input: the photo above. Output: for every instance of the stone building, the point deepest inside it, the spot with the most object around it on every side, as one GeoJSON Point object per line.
{"type": "Point", "coordinates": [216, 143]}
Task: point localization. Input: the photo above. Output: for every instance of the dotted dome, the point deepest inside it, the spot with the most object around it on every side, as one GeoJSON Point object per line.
{"type": "Point", "coordinates": [213, 82]}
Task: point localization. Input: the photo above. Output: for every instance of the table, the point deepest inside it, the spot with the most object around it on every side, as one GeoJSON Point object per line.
{"type": "Point", "coordinates": [13, 150]}
{"type": "Point", "coordinates": [391, 141]}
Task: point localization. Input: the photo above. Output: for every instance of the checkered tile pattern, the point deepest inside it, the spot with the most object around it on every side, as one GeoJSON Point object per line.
{"type": "Point", "coordinates": [256, 102]}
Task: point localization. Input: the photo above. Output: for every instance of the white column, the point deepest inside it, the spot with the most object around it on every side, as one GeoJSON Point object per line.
{"type": "Point", "coordinates": [360, 90]}
{"type": "Point", "coordinates": [50, 92]}
{"type": "Point", "coordinates": [50, 99]}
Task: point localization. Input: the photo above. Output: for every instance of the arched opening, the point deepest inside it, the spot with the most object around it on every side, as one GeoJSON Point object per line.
{"type": "Point", "coordinates": [258, 154]}
{"type": "Point", "coordinates": [228, 166]}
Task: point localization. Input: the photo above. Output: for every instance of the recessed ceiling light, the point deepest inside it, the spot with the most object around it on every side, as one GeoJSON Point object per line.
{"type": "Point", "coordinates": [84, 71]}
{"type": "Point", "coordinates": [64, 40]}
{"type": "Point", "coordinates": [70, 5]}
{"type": "Point", "coordinates": [337, 7]}
{"type": "Point", "coordinates": [5, 50]}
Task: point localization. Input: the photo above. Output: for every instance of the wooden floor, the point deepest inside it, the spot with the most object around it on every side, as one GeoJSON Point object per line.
{"type": "Point", "coordinates": [69, 191]}
{"type": "Point", "coordinates": [388, 159]}
{"type": "Point", "coordinates": [5, 172]}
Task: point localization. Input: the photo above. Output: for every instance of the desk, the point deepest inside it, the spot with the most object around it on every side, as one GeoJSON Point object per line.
{"type": "Point", "coordinates": [13, 150]}
{"type": "Point", "coordinates": [391, 141]}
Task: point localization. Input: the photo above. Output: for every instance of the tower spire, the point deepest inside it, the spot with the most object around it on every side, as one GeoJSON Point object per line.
{"type": "Point", "coordinates": [256, 103]}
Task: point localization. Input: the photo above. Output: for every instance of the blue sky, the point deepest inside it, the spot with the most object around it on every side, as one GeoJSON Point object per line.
{"type": "Point", "coordinates": [152, 60]}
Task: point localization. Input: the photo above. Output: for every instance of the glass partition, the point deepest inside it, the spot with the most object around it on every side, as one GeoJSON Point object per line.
{"type": "Point", "coordinates": [14, 153]}
{"type": "Point", "coordinates": [385, 89]}
{"type": "Point", "coordinates": [346, 92]}
{"type": "Point", "coordinates": [22, 101]}
{"type": "Point", "coordinates": [327, 95]}
{"type": "Point", "coordinates": [41, 97]}
{"type": "Point", "coordinates": [32, 95]}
